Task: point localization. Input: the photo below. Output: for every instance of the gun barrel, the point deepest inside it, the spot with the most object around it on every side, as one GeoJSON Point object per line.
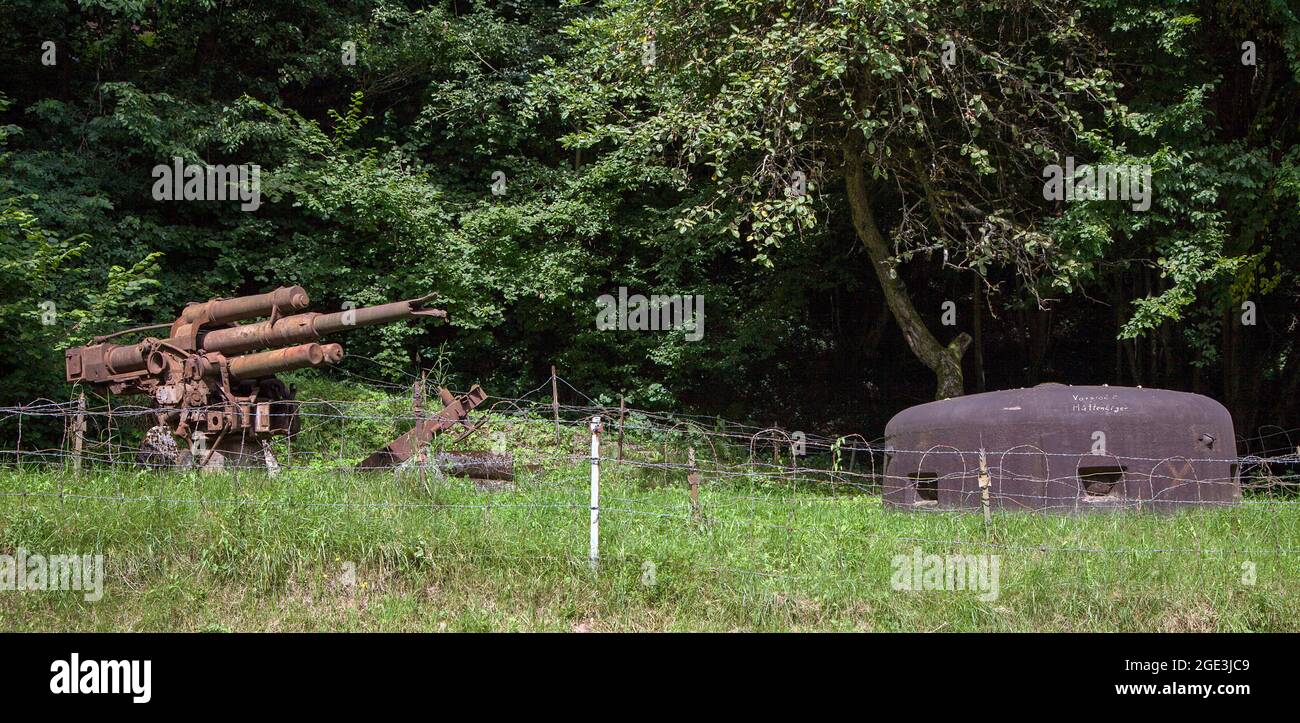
{"type": "Point", "coordinates": [267, 363]}
{"type": "Point", "coordinates": [284, 300]}
{"type": "Point", "coordinates": [365, 316]}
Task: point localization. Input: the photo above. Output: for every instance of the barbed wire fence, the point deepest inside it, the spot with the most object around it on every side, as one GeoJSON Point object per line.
{"type": "Point", "coordinates": [747, 501]}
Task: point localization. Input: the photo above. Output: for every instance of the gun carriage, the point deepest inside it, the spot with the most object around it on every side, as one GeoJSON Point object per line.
{"type": "Point", "coordinates": [213, 380]}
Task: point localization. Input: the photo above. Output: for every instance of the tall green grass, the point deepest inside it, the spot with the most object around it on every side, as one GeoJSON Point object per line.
{"type": "Point", "coordinates": [247, 551]}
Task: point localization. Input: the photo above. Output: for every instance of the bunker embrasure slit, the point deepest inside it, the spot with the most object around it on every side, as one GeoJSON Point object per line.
{"type": "Point", "coordinates": [1101, 481]}
{"type": "Point", "coordinates": [927, 486]}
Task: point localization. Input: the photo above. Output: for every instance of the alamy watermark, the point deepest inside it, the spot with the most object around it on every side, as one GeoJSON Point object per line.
{"type": "Point", "coordinates": [32, 572]}
{"type": "Point", "coordinates": [657, 312]}
{"type": "Point", "coordinates": [200, 182]}
{"type": "Point", "coordinates": [1100, 182]}
{"type": "Point", "coordinates": [951, 573]}
{"type": "Point", "coordinates": [75, 676]}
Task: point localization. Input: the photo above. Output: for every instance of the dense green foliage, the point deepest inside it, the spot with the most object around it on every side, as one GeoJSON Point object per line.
{"type": "Point", "coordinates": [651, 145]}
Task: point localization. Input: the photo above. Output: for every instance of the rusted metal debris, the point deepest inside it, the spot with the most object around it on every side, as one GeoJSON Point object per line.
{"type": "Point", "coordinates": [481, 467]}
{"type": "Point", "coordinates": [213, 380]}
{"type": "Point", "coordinates": [1070, 448]}
{"type": "Point", "coordinates": [455, 411]}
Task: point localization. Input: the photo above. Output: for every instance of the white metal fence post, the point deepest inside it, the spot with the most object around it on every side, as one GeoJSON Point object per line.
{"type": "Point", "coordinates": [984, 487]}
{"type": "Point", "coordinates": [593, 553]}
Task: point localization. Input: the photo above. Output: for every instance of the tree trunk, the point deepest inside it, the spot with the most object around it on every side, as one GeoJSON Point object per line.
{"type": "Point", "coordinates": [876, 332]}
{"type": "Point", "coordinates": [944, 361]}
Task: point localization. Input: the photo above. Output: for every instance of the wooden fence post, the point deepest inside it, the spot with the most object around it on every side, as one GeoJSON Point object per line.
{"type": "Point", "coordinates": [621, 411]}
{"type": "Point", "coordinates": [555, 402]}
{"type": "Point", "coordinates": [78, 433]}
{"type": "Point", "coordinates": [417, 402]}
{"type": "Point", "coordinates": [693, 479]}
{"type": "Point", "coordinates": [108, 423]}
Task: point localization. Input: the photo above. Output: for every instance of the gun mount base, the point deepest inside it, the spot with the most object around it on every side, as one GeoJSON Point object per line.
{"type": "Point", "coordinates": [161, 451]}
{"type": "Point", "coordinates": [231, 454]}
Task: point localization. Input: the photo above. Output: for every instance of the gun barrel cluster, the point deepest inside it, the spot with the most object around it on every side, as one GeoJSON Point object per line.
{"type": "Point", "coordinates": [281, 342]}
{"type": "Point", "coordinates": [300, 328]}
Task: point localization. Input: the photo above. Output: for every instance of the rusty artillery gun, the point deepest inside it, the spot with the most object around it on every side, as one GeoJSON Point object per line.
{"type": "Point", "coordinates": [213, 383]}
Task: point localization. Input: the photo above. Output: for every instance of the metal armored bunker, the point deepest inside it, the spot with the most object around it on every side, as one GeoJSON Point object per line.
{"type": "Point", "coordinates": [1067, 448]}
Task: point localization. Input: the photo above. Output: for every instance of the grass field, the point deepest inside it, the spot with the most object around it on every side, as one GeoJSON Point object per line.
{"type": "Point", "coordinates": [216, 552]}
